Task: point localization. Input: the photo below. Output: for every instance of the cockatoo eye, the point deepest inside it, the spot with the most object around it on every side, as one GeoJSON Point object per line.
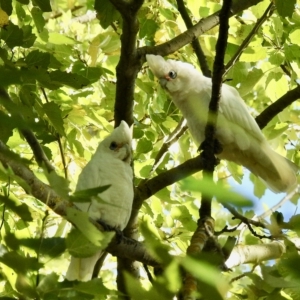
{"type": "Point", "coordinates": [172, 74]}
{"type": "Point", "coordinates": [113, 146]}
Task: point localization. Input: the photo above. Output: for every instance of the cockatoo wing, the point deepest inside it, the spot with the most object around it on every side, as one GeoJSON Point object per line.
{"type": "Point", "coordinates": [236, 130]}
{"type": "Point", "coordinates": [110, 165]}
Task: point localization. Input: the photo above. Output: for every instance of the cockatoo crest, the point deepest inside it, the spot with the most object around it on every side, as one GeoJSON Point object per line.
{"type": "Point", "coordinates": [175, 76]}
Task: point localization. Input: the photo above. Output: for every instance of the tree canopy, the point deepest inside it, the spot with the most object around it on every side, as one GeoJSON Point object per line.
{"type": "Point", "coordinates": [70, 71]}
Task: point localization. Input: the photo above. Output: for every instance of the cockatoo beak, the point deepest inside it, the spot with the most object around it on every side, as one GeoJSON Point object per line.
{"type": "Point", "coordinates": [163, 81]}
{"type": "Point", "coordinates": [128, 152]}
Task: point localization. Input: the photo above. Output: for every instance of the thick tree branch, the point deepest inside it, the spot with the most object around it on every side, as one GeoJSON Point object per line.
{"type": "Point", "coordinates": [195, 43]}
{"type": "Point", "coordinates": [209, 144]}
{"type": "Point", "coordinates": [147, 188]}
{"type": "Point", "coordinates": [198, 241]}
{"type": "Point", "coordinates": [127, 69]}
{"type": "Point", "coordinates": [255, 253]}
{"type": "Point", "coordinates": [194, 32]}
{"type": "Point", "coordinates": [129, 64]}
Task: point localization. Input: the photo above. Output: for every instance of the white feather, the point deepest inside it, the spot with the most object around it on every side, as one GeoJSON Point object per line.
{"type": "Point", "coordinates": [236, 130]}
{"type": "Point", "coordinates": [106, 167]}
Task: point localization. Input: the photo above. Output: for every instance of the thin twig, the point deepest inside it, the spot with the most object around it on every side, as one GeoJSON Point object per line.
{"type": "Point", "coordinates": [172, 138]}
{"type": "Point", "coordinates": [58, 138]}
{"type": "Point", "coordinates": [243, 218]}
{"type": "Point", "coordinates": [195, 43]}
{"type": "Point", "coordinates": [268, 12]}
{"type": "Point", "coordinates": [31, 139]}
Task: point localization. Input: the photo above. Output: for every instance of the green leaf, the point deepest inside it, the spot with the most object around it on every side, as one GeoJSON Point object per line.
{"type": "Point", "coordinates": [16, 206]}
{"type": "Point", "coordinates": [6, 5]}
{"type": "Point", "coordinates": [12, 35]}
{"type": "Point", "coordinates": [213, 285]}
{"type": "Point", "coordinates": [37, 58]}
{"type": "Point", "coordinates": [9, 76]}
{"type": "Point", "coordinates": [79, 246]}
{"type": "Point", "coordinates": [25, 286]}
{"type": "Point", "coordinates": [7, 125]}
{"type": "Point", "coordinates": [251, 80]}
{"type": "Point", "coordinates": [20, 12]}
{"type": "Point", "coordinates": [23, 1]}
{"type": "Point", "coordinates": [48, 283]}
{"type": "Point", "coordinates": [93, 287]}
{"type": "Point", "coordinates": [91, 73]}
{"type": "Point", "coordinates": [295, 36]}
{"type": "Point", "coordinates": [28, 37]}
{"type": "Point", "coordinates": [73, 80]}
{"type": "Point", "coordinates": [86, 195]}
{"type": "Point", "coordinates": [60, 39]}
{"type": "Point", "coordinates": [148, 28]}
{"type": "Point", "coordinates": [59, 184]}
{"type": "Point", "coordinates": [81, 221]}
{"type": "Point", "coordinates": [20, 264]}
{"type": "Point", "coordinates": [38, 18]}
{"type": "Point", "coordinates": [44, 5]}
{"type": "Point", "coordinates": [144, 146]}
{"type": "Point", "coordinates": [106, 12]}
{"type": "Point", "coordinates": [285, 8]}
{"type": "Point", "coordinates": [52, 247]}
{"type": "Point", "coordinates": [53, 112]}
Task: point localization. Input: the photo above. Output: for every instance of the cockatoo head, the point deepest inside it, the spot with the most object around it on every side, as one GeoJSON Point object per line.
{"type": "Point", "coordinates": [118, 143]}
{"type": "Point", "coordinates": [175, 76]}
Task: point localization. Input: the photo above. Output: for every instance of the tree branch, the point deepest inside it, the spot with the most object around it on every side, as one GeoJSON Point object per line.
{"type": "Point", "coordinates": [192, 33]}
{"type": "Point", "coordinates": [195, 43]}
{"type": "Point", "coordinates": [172, 138]}
{"type": "Point", "coordinates": [271, 111]}
{"type": "Point", "coordinates": [209, 144]}
{"type": "Point", "coordinates": [127, 69]}
{"type": "Point", "coordinates": [250, 36]}
{"type": "Point", "coordinates": [129, 63]}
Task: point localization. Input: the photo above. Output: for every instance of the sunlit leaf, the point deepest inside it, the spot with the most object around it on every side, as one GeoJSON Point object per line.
{"type": "Point", "coordinates": [81, 220]}
{"type": "Point", "coordinates": [85, 195]}
{"type": "Point", "coordinates": [44, 5]}
{"type": "Point", "coordinates": [285, 8]}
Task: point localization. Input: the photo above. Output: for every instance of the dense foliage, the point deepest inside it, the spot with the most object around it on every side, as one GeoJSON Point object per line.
{"type": "Point", "coordinates": [72, 70]}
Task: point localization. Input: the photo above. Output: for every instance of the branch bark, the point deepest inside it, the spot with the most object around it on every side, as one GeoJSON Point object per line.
{"type": "Point", "coordinates": [256, 254]}
{"type": "Point", "coordinates": [275, 108]}
{"type": "Point", "coordinates": [209, 144]}
{"type": "Point", "coordinates": [250, 36]}
{"type": "Point", "coordinates": [129, 63]}
{"type": "Point", "coordinates": [192, 33]}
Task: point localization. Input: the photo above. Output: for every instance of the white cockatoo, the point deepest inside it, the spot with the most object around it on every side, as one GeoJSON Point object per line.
{"type": "Point", "coordinates": [239, 135]}
{"type": "Point", "coordinates": [110, 165]}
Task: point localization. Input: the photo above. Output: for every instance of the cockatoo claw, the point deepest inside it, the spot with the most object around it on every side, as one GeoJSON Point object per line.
{"type": "Point", "coordinates": [105, 226]}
